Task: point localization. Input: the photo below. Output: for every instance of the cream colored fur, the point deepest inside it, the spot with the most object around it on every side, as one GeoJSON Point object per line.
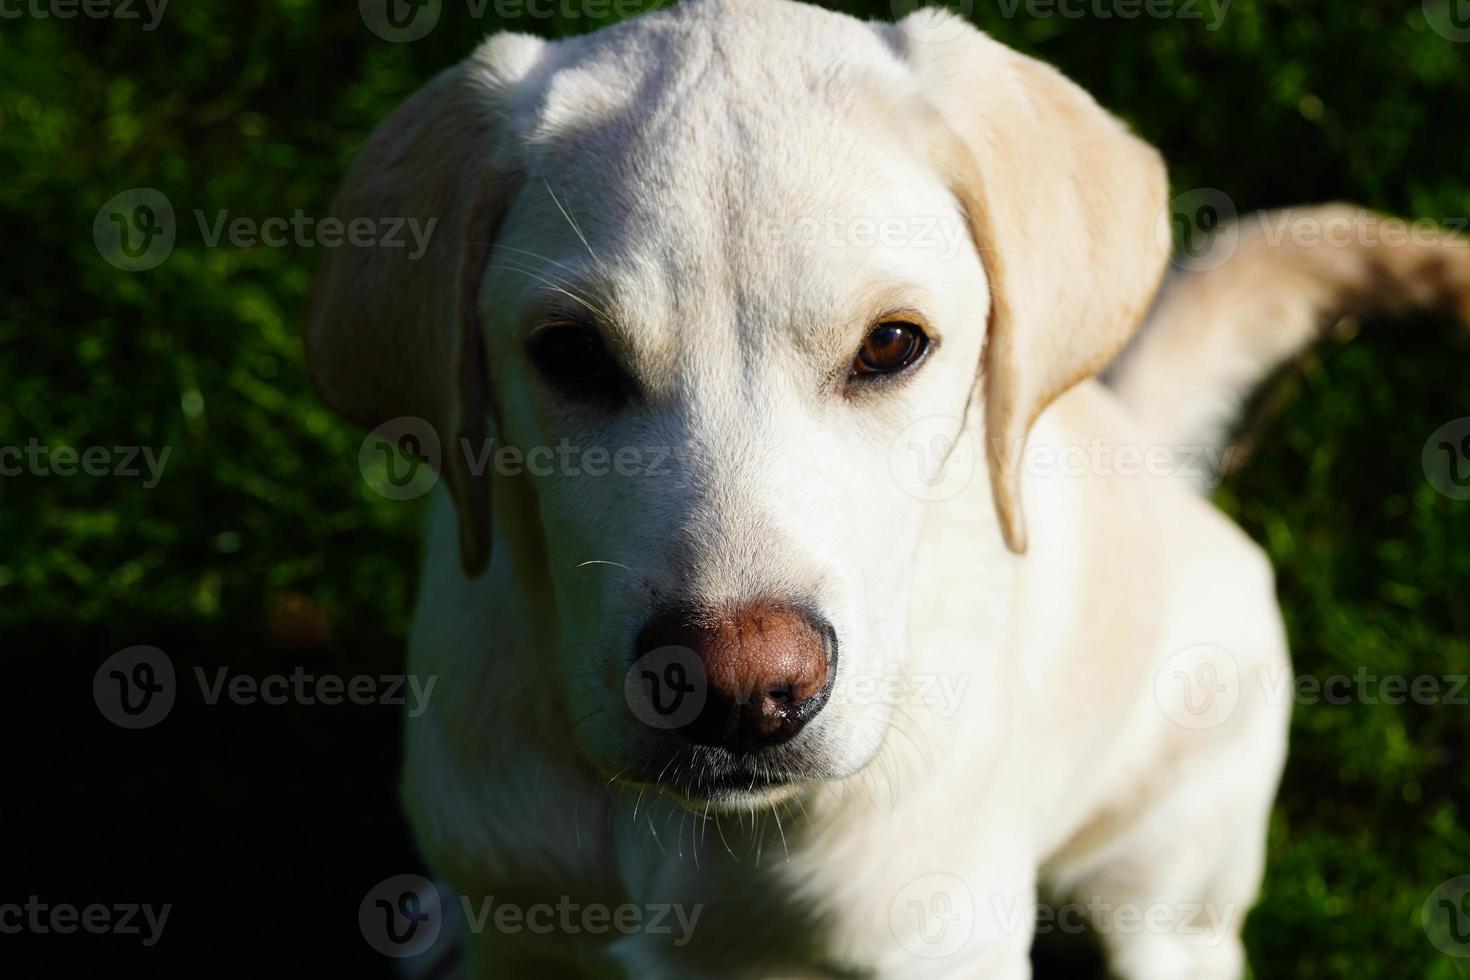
{"type": "Point", "coordinates": [654, 176]}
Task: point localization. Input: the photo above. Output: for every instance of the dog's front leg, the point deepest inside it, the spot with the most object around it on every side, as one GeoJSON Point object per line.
{"type": "Point", "coordinates": [943, 926]}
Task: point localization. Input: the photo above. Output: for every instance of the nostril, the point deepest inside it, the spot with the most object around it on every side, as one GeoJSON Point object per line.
{"type": "Point", "coordinates": [767, 669]}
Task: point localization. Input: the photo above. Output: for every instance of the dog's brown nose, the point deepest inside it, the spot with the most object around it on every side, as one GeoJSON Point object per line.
{"type": "Point", "coordinates": [766, 670]}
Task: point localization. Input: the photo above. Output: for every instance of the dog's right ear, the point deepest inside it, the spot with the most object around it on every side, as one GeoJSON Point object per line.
{"type": "Point", "coordinates": [1063, 203]}
{"type": "Point", "coordinates": [393, 333]}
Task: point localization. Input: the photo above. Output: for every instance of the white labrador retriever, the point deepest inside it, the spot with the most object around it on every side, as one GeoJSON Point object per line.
{"type": "Point", "coordinates": [829, 601]}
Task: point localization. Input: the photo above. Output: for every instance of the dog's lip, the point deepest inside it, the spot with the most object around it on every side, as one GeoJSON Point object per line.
{"type": "Point", "coordinates": [740, 781]}
{"type": "Point", "coordinates": [725, 777]}
{"type": "Point", "coordinates": [733, 791]}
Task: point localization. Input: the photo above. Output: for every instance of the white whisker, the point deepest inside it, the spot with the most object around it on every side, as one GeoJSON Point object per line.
{"type": "Point", "coordinates": [598, 561]}
{"type": "Point", "coordinates": [588, 245]}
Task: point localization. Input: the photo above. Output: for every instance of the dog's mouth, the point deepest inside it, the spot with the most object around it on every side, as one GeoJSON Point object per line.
{"type": "Point", "coordinates": [701, 777]}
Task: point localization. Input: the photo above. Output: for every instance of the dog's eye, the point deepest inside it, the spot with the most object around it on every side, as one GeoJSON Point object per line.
{"type": "Point", "coordinates": [889, 347]}
{"type": "Point", "coordinates": [574, 360]}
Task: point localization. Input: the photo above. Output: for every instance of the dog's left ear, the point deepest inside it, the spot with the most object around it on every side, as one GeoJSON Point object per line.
{"type": "Point", "coordinates": [395, 333]}
{"type": "Point", "coordinates": [1062, 202]}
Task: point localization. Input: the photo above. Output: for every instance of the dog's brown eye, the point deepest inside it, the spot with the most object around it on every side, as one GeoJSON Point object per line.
{"type": "Point", "coordinates": [574, 360]}
{"type": "Point", "coordinates": [889, 347]}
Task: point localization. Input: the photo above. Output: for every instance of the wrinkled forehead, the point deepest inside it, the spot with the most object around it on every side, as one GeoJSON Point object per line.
{"type": "Point", "coordinates": [672, 174]}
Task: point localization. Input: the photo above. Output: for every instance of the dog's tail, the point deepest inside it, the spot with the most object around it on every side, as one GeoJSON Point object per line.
{"type": "Point", "coordinates": [1259, 294]}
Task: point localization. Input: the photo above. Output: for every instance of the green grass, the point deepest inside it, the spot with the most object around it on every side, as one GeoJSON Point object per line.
{"type": "Point", "coordinates": [256, 108]}
{"type": "Point", "coordinates": [1372, 566]}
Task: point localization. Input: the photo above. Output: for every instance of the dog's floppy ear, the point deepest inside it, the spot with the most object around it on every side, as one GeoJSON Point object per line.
{"type": "Point", "coordinates": [1062, 202]}
{"type": "Point", "coordinates": [393, 333]}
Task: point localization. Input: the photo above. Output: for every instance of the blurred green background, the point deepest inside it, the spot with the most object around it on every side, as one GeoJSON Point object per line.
{"type": "Point", "coordinates": [261, 545]}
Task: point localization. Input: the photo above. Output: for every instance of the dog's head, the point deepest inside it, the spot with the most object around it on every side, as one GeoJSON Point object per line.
{"type": "Point", "coordinates": [691, 278]}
